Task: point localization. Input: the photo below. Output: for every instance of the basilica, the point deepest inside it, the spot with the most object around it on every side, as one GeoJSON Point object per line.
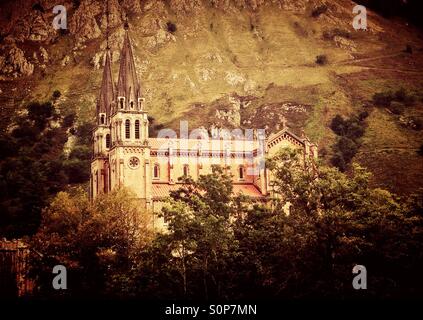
{"type": "Point", "coordinates": [124, 155]}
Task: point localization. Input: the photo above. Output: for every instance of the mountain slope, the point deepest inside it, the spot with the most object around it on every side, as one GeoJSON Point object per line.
{"type": "Point", "coordinates": [229, 63]}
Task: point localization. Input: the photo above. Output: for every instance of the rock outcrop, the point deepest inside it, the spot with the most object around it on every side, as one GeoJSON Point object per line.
{"type": "Point", "coordinates": [13, 63]}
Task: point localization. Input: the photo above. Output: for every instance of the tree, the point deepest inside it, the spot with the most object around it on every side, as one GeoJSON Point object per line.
{"type": "Point", "coordinates": [193, 255]}
{"type": "Point", "coordinates": [98, 243]}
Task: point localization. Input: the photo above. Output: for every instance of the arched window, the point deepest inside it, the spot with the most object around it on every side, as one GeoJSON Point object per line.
{"type": "Point", "coordinates": [108, 141]}
{"type": "Point", "coordinates": [132, 104]}
{"type": "Point", "coordinates": [137, 129]}
{"type": "Point", "coordinates": [186, 170]}
{"type": "Point", "coordinates": [127, 129]}
{"type": "Point", "coordinates": [241, 173]}
{"type": "Point", "coordinates": [121, 103]}
{"type": "Point", "coordinates": [156, 171]}
{"type": "Point", "coordinates": [102, 119]}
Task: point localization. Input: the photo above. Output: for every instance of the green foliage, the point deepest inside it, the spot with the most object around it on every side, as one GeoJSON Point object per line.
{"type": "Point", "coordinates": [29, 169]}
{"type": "Point", "coordinates": [98, 242]}
{"type": "Point", "coordinates": [385, 99]}
{"type": "Point", "coordinates": [56, 94]}
{"type": "Point", "coordinates": [219, 246]}
{"type": "Point", "coordinates": [69, 120]}
{"type": "Point", "coordinates": [33, 168]}
{"type": "Point", "coordinates": [349, 131]}
{"type": "Point", "coordinates": [83, 133]}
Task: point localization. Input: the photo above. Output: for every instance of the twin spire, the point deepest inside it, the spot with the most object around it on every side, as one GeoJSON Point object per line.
{"type": "Point", "coordinates": [127, 93]}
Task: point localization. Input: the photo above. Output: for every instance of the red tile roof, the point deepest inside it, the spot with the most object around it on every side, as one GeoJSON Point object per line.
{"type": "Point", "coordinates": [162, 190]}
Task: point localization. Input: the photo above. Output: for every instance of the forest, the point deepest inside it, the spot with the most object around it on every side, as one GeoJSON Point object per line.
{"type": "Point", "coordinates": [221, 246]}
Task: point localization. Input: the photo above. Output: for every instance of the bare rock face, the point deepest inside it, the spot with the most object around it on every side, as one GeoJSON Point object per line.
{"type": "Point", "coordinates": [185, 6]}
{"type": "Point", "coordinates": [83, 24]}
{"type": "Point", "coordinates": [115, 14]}
{"type": "Point", "coordinates": [44, 55]}
{"type": "Point", "coordinates": [133, 6]}
{"type": "Point", "coordinates": [14, 63]}
{"type": "Point", "coordinates": [32, 24]}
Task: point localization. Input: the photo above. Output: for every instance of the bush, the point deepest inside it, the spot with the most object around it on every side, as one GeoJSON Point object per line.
{"type": "Point", "coordinates": [355, 129]}
{"type": "Point", "coordinates": [400, 95]}
{"type": "Point", "coordinates": [339, 162]}
{"type": "Point", "coordinates": [69, 120]}
{"type": "Point", "coordinates": [319, 11]}
{"type": "Point", "coordinates": [78, 171]}
{"type": "Point", "coordinates": [338, 125]}
{"type": "Point", "coordinates": [383, 99]}
{"type": "Point", "coordinates": [321, 59]}
{"type": "Point", "coordinates": [409, 100]}
{"type": "Point", "coordinates": [80, 153]}
{"type": "Point", "coordinates": [83, 133]}
{"type": "Point", "coordinates": [56, 94]}
{"type": "Point", "coordinates": [347, 147]}
{"type": "Point", "coordinates": [171, 27]}
{"type": "Point", "coordinates": [396, 107]}
{"type": "Point", "coordinates": [363, 115]}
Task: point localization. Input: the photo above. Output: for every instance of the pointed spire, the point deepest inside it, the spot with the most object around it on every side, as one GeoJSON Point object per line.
{"type": "Point", "coordinates": [107, 91]}
{"type": "Point", "coordinates": [128, 85]}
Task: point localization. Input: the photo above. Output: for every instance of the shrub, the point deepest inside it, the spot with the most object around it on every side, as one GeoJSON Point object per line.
{"type": "Point", "coordinates": [338, 125]}
{"type": "Point", "coordinates": [400, 95]}
{"type": "Point", "coordinates": [354, 129]}
{"type": "Point", "coordinates": [321, 59]}
{"type": "Point", "coordinates": [77, 170]}
{"type": "Point", "coordinates": [396, 107]}
{"type": "Point", "coordinates": [363, 115]}
{"type": "Point", "coordinates": [80, 153]}
{"type": "Point", "coordinates": [69, 120]}
{"type": "Point", "coordinates": [83, 133]}
{"type": "Point", "coordinates": [171, 27]}
{"type": "Point", "coordinates": [409, 100]}
{"type": "Point", "coordinates": [339, 161]}
{"type": "Point", "coordinates": [383, 99]}
{"type": "Point", "coordinates": [347, 147]}
{"type": "Point", "coordinates": [319, 11]}
{"type": "Point", "coordinates": [56, 94]}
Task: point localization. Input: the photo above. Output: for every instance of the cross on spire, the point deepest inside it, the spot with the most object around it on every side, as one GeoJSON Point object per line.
{"type": "Point", "coordinates": [107, 25]}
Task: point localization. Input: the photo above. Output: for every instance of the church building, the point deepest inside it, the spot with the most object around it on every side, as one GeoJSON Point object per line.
{"type": "Point", "coordinates": [124, 155]}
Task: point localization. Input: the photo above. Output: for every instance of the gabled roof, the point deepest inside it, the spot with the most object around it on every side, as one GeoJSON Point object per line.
{"type": "Point", "coordinates": [162, 190]}
{"type": "Point", "coordinates": [284, 131]}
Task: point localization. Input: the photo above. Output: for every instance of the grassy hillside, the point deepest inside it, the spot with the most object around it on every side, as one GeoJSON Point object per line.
{"type": "Point", "coordinates": [264, 62]}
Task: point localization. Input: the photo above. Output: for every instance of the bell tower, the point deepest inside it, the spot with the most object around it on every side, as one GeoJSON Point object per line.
{"type": "Point", "coordinates": [129, 153]}
{"type": "Point", "coordinates": [100, 175]}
